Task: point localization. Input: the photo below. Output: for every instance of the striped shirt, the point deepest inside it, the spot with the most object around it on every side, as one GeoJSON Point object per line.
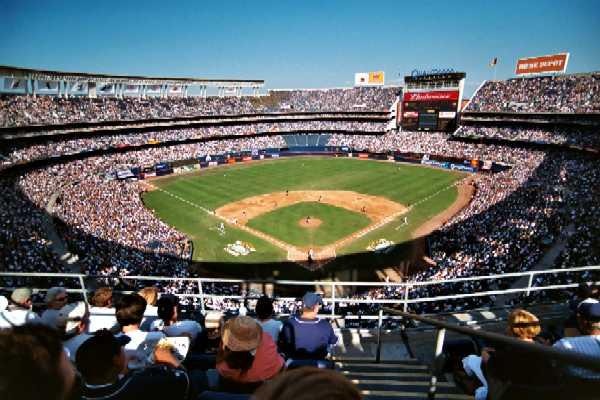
{"type": "Point", "coordinates": [589, 345]}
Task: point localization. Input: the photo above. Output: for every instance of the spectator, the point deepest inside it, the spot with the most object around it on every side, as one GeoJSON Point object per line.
{"type": "Point", "coordinates": [19, 311]}
{"type": "Point", "coordinates": [168, 323]}
{"type": "Point", "coordinates": [102, 312]}
{"type": "Point", "coordinates": [103, 365]}
{"type": "Point", "coordinates": [72, 323]}
{"type": "Point", "coordinates": [56, 298]}
{"type": "Point", "coordinates": [33, 364]}
{"type": "Point", "coordinates": [150, 294]}
{"type": "Point", "coordinates": [264, 315]}
{"type": "Point", "coordinates": [130, 312]}
{"type": "Point", "coordinates": [247, 355]}
{"type": "Point", "coordinates": [307, 337]}
{"type": "Point", "coordinates": [588, 343]}
{"type": "Point", "coordinates": [308, 384]}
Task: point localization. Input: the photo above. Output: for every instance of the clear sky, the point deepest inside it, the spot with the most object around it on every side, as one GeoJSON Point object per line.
{"type": "Point", "coordinates": [293, 44]}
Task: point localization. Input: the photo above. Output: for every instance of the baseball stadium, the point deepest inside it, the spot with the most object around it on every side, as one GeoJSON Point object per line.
{"type": "Point", "coordinates": [408, 235]}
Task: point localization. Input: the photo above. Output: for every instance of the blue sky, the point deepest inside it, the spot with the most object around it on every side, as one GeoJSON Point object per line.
{"type": "Point", "coordinates": [295, 43]}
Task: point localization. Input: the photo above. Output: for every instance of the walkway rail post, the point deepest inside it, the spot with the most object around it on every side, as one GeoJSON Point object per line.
{"type": "Point", "coordinates": [437, 358]}
{"type": "Point", "coordinates": [379, 326]}
{"type": "Point", "coordinates": [201, 294]}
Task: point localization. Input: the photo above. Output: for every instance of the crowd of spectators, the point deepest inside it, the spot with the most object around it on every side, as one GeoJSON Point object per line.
{"type": "Point", "coordinates": [580, 137]}
{"type": "Point", "coordinates": [549, 94]}
{"type": "Point", "coordinates": [26, 153]}
{"type": "Point", "coordinates": [16, 110]}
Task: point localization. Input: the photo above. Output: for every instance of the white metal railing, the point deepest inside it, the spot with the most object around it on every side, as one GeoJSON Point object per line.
{"type": "Point", "coordinates": [402, 289]}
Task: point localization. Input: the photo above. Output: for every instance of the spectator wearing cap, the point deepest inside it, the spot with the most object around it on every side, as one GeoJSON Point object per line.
{"type": "Point", "coordinates": [56, 298]}
{"type": "Point", "coordinates": [307, 337]}
{"type": "Point", "coordinates": [130, 312]}
{"type": "Point", "coordinates": [588, 317]}
{"type": "Point", "coordinates": [168, 323]}
{"type": "Point", "coordinates": [247, 355]}
{"type": "Point", "coordinates": [264, 316]}
{"type": "Point", "coordinates": [72, 323]}
{"type": "Point", "coordinates": [102, 362]}
{"type": "Point", "coordinates": [33, 364]}
{"type": "Point", "coordinates": [102, 312]}
{"type": "Point", "coordinates": [18, 312]}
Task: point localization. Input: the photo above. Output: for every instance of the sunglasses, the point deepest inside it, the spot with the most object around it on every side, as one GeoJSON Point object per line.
{"type": "Point", "coordinates": [64, 298]}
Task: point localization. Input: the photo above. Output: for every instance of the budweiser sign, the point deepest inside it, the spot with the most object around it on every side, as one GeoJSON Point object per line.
{"type": "Point", "coordinates": [545, 64]}
{"type": "Point", "coordinates": [451, 95]}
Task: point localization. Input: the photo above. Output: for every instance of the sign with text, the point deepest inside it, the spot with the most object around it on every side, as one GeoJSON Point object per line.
{"type": "Point", "coordinates": [554, 63]}
{"type": "Point", "coordinates": [375, 78]}
{"type": "Point", "coordinates": [451, 95]}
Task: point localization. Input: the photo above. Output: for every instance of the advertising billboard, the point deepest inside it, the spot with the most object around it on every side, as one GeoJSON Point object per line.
{"type": "Point", "coordinates": [553, 63]}
{"type": "Point", "coordinates": [374, 78]}
{"type": "Point", "coordinates": [439, 95]}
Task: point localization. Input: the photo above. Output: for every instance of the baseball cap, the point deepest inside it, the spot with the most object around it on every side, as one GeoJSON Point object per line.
{"type": "Point", "coordinates": [21, 295]}
{"type": "Point", "coordinates": [95, 356]}
{"type": "Point", "coordinates": [590, 311]}
{"type": "Point", "coordinates": [242, 334]}
{"type": "Point", "coordinates": [311, 299]}
{"type": "Point", "coordinates": [3, 303]}
{"type": "Point", "coordinates": [70, 315]}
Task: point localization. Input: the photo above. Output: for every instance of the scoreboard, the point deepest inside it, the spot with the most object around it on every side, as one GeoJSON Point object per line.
{"type": "Point", "coordinates": [432, 101]}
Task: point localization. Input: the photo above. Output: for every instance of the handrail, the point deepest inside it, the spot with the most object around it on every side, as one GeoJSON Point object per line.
{"type": "Point", "coordinates": [567, 357]}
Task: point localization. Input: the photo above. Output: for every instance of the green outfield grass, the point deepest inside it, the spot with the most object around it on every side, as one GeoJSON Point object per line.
{"type": "Point", "coordinates": [215, 187]}
{"type": "Point", "coordinates": [283, 223]}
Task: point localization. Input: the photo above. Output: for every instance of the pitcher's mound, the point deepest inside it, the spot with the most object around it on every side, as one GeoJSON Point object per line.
{"type": "Point", "coordinates": [311, 223]}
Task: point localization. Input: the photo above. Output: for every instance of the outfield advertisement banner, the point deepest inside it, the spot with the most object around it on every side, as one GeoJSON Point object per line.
{"type": "Point", "coordinates": [553, 63]}
{"type": "Point", "coordinates": [446, 95]}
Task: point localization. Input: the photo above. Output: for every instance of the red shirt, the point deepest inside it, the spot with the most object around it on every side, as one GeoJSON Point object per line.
{"type": "Point", "coordinates": [267, 363]}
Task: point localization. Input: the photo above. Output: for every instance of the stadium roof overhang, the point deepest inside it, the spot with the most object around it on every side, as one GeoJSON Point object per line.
{"type": "Point", "coordinates": [46, 75]}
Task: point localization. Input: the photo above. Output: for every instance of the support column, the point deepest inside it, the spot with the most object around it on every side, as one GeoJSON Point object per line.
{"type": "Point", "coordinates": [59, 89]}
{"type": "Point", "coordinates": [67, 89]}
{"type": "Point", "coordinates": [33, 87]}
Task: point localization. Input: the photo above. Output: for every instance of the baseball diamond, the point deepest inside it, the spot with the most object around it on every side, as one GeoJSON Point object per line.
{"type": "Point", "coordinates": [285, 208]}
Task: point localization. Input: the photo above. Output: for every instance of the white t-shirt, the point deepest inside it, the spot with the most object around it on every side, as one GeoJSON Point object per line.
{"type": "Point", "coordinates": [71, 345]}
{"type": "Point", "coordinates": [17, 317]}
{"type": "Point", "coordinates": [272, 327]}
{"type": "Point", "coordinates": [102, 318]}
{"type": "Point", "coordinates": [178, 328]}
{"type": "Point", "coordinates": [140, 347]}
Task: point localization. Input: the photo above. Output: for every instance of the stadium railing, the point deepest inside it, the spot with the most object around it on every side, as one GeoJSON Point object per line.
{"type": "Point", "coordinates": [401, 289]}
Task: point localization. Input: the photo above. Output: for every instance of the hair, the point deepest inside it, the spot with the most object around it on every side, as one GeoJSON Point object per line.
{"type": "Point", "coordinates": [166, 306]}
{"type": "Point", "coordinates": [130, 309]}
{"type": "Point", "coordinates": [308, 383]}
{"type": "Point", "coordinates": [30, 357]}
{"type": "Point", "coordinates": [264, 307]}
{"type": "Point", "coordinates": [523, 324]}
{"type": "Point", "coordinates": [150, 294]}
{"type": "Point", "coordinates": [102, 297]}
{"type": "Point", "coordinates": [53, 292]}
{"type": "Point", "coordinates": [96, 365]}
{"type": "Point", "coordinates": [241, 360]}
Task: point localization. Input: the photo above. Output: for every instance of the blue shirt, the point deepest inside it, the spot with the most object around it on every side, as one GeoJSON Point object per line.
{"type": "Point", "coordinates": [307, 338]}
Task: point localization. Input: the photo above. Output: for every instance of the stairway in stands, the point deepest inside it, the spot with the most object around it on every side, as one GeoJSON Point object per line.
{"type": "Point", "coordinates": [405, 380]}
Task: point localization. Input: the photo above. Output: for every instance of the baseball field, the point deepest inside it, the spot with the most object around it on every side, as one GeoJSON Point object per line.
{"type": "Point", "coordinates": [303, 209]}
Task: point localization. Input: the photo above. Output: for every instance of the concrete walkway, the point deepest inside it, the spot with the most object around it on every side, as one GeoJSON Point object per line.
{"type": "Point", "coordinates": [58, 246]}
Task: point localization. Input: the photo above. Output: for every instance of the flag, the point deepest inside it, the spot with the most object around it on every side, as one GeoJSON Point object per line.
{"type": "Point", "coordinates": [494, 62]}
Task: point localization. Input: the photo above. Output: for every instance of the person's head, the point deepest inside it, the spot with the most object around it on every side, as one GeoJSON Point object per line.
{"type": "Point", "coordinates": [523, 325]}
{"type": "Point", "coordinates": [103, 297]}
{"type": "Point", "coordinates": [100, 359]}
{"type": "Point", "coordinates": [150, 294]}
{"type": "Point", "coordinates": [311, 303]}
{"type": "Point", "coordinates": [264, 308]}
{"type": "Point", "coordinates": [588, 316]}
{"type": "Point", "coordinates": [73, 318]}
{"type": "Point", "coordinates": [56, 297]}
{"type": "Point", "coordinates": [167, 308]}
{"type": "Point", "coordinates": [241, 337]}
{"type": "Point", "coordinates": [308, 383]}
{"type": "Point", "coordinates": [129, 310]}
{"type": "Point", "coordinates": [33, 363]}
{"type": "Point", "coordinates": [21, 297]}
